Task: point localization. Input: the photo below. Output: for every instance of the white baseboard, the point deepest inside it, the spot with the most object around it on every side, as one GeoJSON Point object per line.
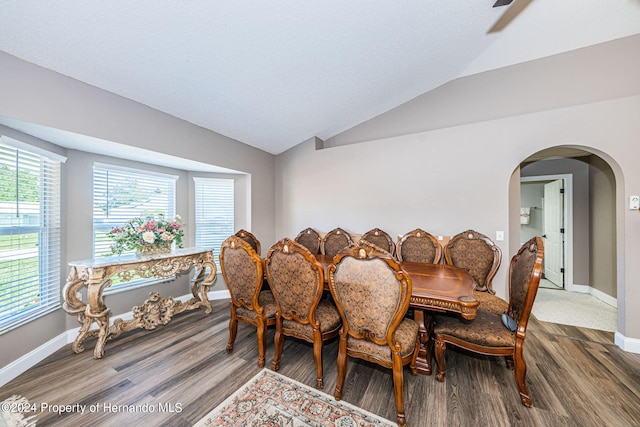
{"type": "Point", "coordinates": [607, 299]}
{"type": "Point", "coordinates": [631, 345]}
{"type": "Point", "coordinates": [583, 289]}
{"type": "Point", "coordinates": [586, 289]}
{"type": "Point", "coordinates": [22, 364]}
{"type": "Point", "coordinates": [18, 366]}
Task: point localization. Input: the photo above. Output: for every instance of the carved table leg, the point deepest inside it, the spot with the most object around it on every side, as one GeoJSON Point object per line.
{"type": "Point", "coordinates": [96, 309]}
{"type": "Point", "coordinates": [86, 322]}
{"type": "Point", "coordinates": [425, 322]}
{"type": "Point", "coordinates": [103, 323]}
{"type": "Point", "coordinates": [205, 284]}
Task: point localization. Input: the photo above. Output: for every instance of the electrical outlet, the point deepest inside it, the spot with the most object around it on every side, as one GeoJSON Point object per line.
{"type": "Point", "coordinates": [499, 236]}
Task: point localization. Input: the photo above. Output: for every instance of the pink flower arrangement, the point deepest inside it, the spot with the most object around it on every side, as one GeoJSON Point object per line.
{"type": "Point", "coordinates": [138, 232]}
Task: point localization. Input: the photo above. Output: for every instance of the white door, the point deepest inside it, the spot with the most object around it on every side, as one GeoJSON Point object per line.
{"type": "Point", "coordinates": [553, 232]}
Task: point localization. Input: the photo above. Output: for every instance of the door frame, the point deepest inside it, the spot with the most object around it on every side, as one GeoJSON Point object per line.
{"type": "Point", "coordinates": [568, 222]}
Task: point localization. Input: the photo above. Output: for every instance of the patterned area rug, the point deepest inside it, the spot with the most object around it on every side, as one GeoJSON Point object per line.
{"type": "Point", "coordinates": [270, 399]}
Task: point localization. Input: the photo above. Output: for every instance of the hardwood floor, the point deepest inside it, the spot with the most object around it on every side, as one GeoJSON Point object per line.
{"type": "Point", "coordinates": [576, 377]}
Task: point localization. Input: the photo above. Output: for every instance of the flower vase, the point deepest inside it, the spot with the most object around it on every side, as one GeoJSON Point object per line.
{"type": "Point", "coordinates": [153, 249]}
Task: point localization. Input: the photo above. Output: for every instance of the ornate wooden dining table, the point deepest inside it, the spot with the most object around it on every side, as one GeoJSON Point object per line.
{"type": "Point", "coordinates": [434, 288]}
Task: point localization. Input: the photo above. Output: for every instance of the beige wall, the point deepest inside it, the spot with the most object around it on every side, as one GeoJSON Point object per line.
{"type": "Point", "coordinates": [592, 74]}
{"type": "Point", "coordinates": [603, 255]}
{"type": "Point", "coordinates": [36, 95]}
{"type": "Point", "coordinates": [451, 179]}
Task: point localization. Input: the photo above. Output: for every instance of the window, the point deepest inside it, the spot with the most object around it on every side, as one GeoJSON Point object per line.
{"type": "Point", "coordinates": [214, 212]}
{"type": "Point", "coordinates": [29, 233]}
{"type": "Point", "coordinates": [120, 194]}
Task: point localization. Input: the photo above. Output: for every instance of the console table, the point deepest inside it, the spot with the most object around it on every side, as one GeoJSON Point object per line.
{"type": "Point", "coordinates": [96, 274]}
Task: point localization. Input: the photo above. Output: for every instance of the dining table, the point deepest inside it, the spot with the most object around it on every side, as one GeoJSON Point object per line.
{"type": "Point", "coordinates": [435, 288]}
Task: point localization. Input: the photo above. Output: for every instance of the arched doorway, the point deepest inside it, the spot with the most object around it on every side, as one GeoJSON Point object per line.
{"type": "Point", "coordinates": [587, 232]}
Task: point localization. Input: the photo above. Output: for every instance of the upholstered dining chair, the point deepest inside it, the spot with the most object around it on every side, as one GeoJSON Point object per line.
{"type": "Point", "coordinates": [310, 239]}
{"type": "Point", "coordinates": [372, 294]}
{"type": "Point", "coordinates": [335, 241]}
{"type": "Point", "coordinates": [249, 238]}
{"type": "Point", "coordinates": [477, 254]}
{"type": "Point", "coordinates": [381, 239]}
{"type": "Point", "coordinates": [242, 270]}
{"type": "Point", "coordinates": [297, 282]}
{"type": "Point", "coordinates": [419, 246]}
{"type": "Point", "coordinates": [487, 333]}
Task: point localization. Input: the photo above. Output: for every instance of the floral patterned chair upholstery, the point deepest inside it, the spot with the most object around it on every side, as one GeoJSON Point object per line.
{"type": "Point", "coordinates": [476, 253]}
{"type": "Point", "coordinates": [419, 246]}
{"type": "Point", "coordinates": [297, 282]}
{"type": "Point", "coordinates": [310, 239]}
{"type": "Point", "coordinates": [335, 241]}
{"type": "Point", "coordinates": [242, 271]}
{"type": "Point", "coordinates": [487, 334]}
{"type": "Point", "coordinates": [249, 238]}
{"type": "Point", "coordinates": [372, 295]}
{"type": "Point", "coordinates": [381, 239]}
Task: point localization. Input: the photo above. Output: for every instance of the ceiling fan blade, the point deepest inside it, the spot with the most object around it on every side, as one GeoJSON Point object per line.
{"type": "Point", "coordinates": [509, 15]}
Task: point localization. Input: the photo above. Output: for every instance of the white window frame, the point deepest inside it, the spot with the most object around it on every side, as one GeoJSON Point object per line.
{"type": "Point", "coordinates": [214, 198]}
{"type": "Point", "coordinates": [46, 223]}
{"type": "Point", "coordinates": [102, 222]}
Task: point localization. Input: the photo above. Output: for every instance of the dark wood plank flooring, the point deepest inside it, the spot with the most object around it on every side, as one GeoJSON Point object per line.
{"type": "Point", "coordinates": [576, 377]}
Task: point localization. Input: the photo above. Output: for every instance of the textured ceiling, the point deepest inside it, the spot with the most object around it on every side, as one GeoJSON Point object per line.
{"type": "Point", "coordinates": [272, 74]}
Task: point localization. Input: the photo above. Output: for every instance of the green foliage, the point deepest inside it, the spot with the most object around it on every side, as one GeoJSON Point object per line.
{"type": "Point", "coordinates": [28, 189]}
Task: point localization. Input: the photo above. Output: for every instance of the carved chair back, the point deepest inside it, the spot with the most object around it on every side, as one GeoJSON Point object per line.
{"type": "Point", "coordinates": [476, 253]}
{"type": "Point", "coordinates": [419, 246]}
{"type": "Point", "coordinates": [525, 271]}
{"type": "Point", "coordinates": [242, 272]}
{"type": "Point", "coordinates": [335, 241]}
{"type": "Point", "coordinates": [249, 238]}
{"type": "Point", "coordinates": [381, 239]}
{"type": "Point", "coordinates": [296, 280]}
{"type": "Point", "coordinates": [310, 239]}
{"type": "Point", "coordinates": [371, 292]}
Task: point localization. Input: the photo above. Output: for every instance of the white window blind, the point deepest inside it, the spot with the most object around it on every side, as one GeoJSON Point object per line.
{"type": "Point", "coordinates": [214, 211]}
{"type": "Point", "coordinates": [29, 234]}
{"type": "Point", "coordinates": [121, 194]}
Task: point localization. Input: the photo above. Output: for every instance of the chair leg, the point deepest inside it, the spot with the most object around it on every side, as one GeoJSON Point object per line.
{"type": "Point", "coordinates": [520, 373]}
{"type": "Point", "coordinates": [414, 358]}
{"type": "Point", "coordinates": [317, 357]}
{"type": "Point", "coordinates": [342, 366]}
{"type": "Point", "coordinates": [398, 382]}
{"type": "Point", "coordinates": [262, 345]}
{"type": "Point", "coordinates": [440, 347]}
{"type": "Point", "coordinates": [278, 345]}
{"type": "Point", "coordinates": [233, 329]}
{"type": "Point", "coordinates": [509, 361]}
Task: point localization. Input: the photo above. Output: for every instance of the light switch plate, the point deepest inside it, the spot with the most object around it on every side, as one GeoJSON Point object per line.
{"type": "Point", "coordinates": [499, 236]}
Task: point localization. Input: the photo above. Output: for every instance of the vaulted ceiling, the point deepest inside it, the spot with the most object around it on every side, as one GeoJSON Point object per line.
{"type": "Point", "coordinates": [272, 74]}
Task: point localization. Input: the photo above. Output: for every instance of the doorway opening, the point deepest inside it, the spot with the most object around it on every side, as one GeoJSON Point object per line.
{"type": "Point", "coordinates": [568, 195]}
{"type": "Point", "coordinates": [546, 203]}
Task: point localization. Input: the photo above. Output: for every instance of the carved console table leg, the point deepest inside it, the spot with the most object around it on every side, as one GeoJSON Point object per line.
{"type": "Point", "coordinates": [103, 334]}
{"type": "Point", "coordinates": [86, 322]}
{"type": "Point", "coordinates": [205, 283]}
{"type": "Point", "coordinates": [76, 280]}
